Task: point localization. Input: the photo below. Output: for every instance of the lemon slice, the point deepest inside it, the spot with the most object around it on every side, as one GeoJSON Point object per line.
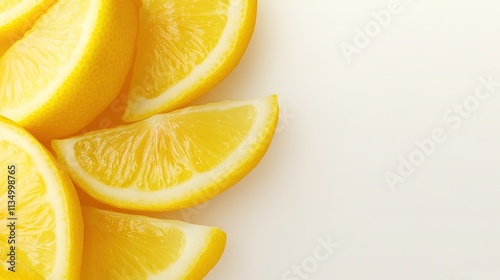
{"type": "Point", "coordinates": [173, 160]}
{"type": "Point", "coordinates": [40, 211]}
{"type": "Point", "coordinates": [69, 66]}
{"type": "Point", "coordinates": [122, 246]}
{"type": "Point", "coordinates": [18, 16]}
{"type": "Point", "coordinates": [184, 49]}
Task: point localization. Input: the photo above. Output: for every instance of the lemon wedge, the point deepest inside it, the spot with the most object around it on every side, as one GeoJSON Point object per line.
{"type": "Point", "coordinates": [123, 246]}
{"type": "Point", "coordinates": [68, 67]}
{"type": "Point", "coordinates": [174, 160]}
{"type": "Point", "coordinates": [184, 49]}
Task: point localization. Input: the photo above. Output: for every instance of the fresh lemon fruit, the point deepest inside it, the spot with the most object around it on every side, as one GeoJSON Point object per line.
{"type": "Point", "coordinates": [173, 160]}
{"type": "Point", "coordinates": [18, 16]}
{"type": "Point", "coordinates": [41, 216]}
{"type": "Point", "coordinates": [184, 49]}
{"type": "Point", "coordinates": [121, 246]}
{"type": "Point", "coordinates": [69, 66]}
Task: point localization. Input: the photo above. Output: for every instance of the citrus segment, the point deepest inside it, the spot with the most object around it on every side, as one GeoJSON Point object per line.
{"type": "Point", "coordinates": [184, 49]}
{"type": "Point", "coordinates": [173, 160]}
{"type": "Point", "coordinates": [69, 67]}
{"type": "Point", "coordinates": [43, 217]}
{"type": "Point", "coordinates": [149, 248]}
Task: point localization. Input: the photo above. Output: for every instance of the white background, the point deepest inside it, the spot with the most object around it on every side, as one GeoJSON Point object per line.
{"type": "Point", "coordinates": [344, 125]}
